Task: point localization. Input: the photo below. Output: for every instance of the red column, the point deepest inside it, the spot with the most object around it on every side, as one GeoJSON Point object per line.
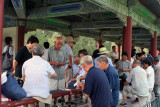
{"type": "Point", "coordinates": [124, 33]}
{"type": "Point", "coordinates": [154, 45]}
{"type": "Point", "coordinates": [127, 39]}
{"type": "Point", "coordinates": [119, 50]}
{"type": "Point", "coordinates": [21, 33]}
{"type": "Point", "coordinates": [99, 43]}
{"type": "Point", "coordinates": [1, 38]}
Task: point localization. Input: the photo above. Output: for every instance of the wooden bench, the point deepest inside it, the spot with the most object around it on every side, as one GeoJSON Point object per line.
{"type": "Point", "coordinates": [55, 95]}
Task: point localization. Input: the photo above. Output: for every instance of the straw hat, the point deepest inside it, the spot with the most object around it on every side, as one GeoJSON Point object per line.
{"type": "Point", "coordinates": [102, 50]}
{"type": "Point", "coordinates": [70, 39]}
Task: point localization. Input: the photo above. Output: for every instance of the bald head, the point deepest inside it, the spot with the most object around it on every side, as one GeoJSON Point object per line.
{"type": "Point", "coordinates": [136, 63]}
{"type": "Point", "coordinates": [58, 43]}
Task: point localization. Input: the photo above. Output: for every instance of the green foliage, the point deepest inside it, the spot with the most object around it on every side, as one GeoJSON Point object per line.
{"type": "Point", "coordinates": [81, 42]}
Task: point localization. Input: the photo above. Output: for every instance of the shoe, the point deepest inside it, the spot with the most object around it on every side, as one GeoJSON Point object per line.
{"type": "Point", "coordinates": [135, 101]}
{"type": "Point", "coordinates": [123, 104]}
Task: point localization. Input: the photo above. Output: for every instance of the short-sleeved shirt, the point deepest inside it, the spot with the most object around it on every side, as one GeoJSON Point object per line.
{"type": "Point", "coordinates": [76, 69]}
{"type": "Point", "coordinates": [45, 55]}
{"type": "Point", "coordinates": [123, 65]}
{"type": "Point", "coordinates": [109, 61]}
{"type": "Point", "coordinates": [60, 56]}
{"type": "Point", "coordinates": [98, 88]}
{"type": "Point", "coordinates": [10, 50]}
{"type": "Point", "coordinates": [113, 79]}
{"type": "Point", "coordinates": [22, 56]}
{"type": "Point", "coordinates": [150, 79]}
{"type": "Point", "coordinates": [138, 79]}
{"type": "Point", "coordinates": [68, 51]}
{"type": "Point", "coordinates": [114, 54]}
{"type": "Point", "coordinates": [36, 72]}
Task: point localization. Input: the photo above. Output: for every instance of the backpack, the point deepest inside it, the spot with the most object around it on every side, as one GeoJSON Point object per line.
{"type": "Point", "coordinates": [6, 60]}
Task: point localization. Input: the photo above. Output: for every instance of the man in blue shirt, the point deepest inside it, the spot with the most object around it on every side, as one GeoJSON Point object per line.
{"type": "Point", "coordinates": [113, 78]}
{"type": "Point", "coordinates": [103, 52]}
{"type": "Point", "coordinates": [96, 84]}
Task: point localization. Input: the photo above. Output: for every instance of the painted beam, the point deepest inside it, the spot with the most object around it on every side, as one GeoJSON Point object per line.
{"type": "Point", "coordinates": [19, 6]}
{"type": "Point", "coordinates": [119, 8]}
{"type": "Point", "coordinates": [96, 25]}
{"type": "Point", "coordinates": [75, 8]}
{"type": "Point", "coordinates": [9, 12]}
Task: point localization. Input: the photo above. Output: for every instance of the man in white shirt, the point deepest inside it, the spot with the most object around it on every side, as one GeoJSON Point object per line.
{"type": "Point", "coordinates": [150, 76]}
{"type": "Point", "coordinates": [35, 73]}
{"type": "Point", "coordinates": [114, 54]}
{"type": "Point", "coordinates": [157, 76]}
{"type": "Point", "coordinates": [139, 87]}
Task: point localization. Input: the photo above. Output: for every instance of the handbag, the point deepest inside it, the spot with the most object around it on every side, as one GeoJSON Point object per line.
{"type": "Point", "coordinates": [12, 90]}
{"type": "Point", "coordinates": [123, 77]}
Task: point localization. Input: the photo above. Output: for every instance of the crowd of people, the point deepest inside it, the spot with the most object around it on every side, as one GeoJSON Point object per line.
{"type": "Point", "coordinates": [100, 76]}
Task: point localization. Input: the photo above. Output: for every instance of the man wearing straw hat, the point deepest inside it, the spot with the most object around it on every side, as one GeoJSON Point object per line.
{"type": "Point", "coordinates": [102, 52]}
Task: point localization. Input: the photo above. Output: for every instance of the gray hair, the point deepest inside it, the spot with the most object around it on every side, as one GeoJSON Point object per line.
{"type": "Point", "coordinates": [103, 59]}
{"type": "Point", "coordinates": [38, 50]}
{"type": "Point", "coordinates": [87, 60]}
{"type": "Point", "coordinates": [137, 62]}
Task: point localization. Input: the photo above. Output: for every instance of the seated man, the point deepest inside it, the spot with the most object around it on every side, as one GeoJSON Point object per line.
{"type": "Point", "coordinates": [139, 87]}
{"type": "Point", "coordinates": [78, 71]}
{"type": "Point", "coordinates": [35, 73]}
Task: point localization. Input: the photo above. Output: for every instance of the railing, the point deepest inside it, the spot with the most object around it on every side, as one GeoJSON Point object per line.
{"type": "Point", "coordinates": [55, 95]}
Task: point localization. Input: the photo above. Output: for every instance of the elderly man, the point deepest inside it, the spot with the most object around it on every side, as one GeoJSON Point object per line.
{"type": "Point", "coordinates": [96, 84]}
{"type": "Point", "coordinates": [123, 66]}
{"type": "Point", "coordinates": [57, 58]}
{"type": "Point", "coordinates": [139, 87]}
{"type": "Point", "coordinates": [157, 76]}
{"type": "Point", "coordinates": [68, 67]}
{"type": "Point", "coordinates": [35, 73]}
{"type": "Point", "coordinates": [150, 76]}
{"type": "Point", "coordinates": [114, 54]}
{"type": "Point", "coordinates": [113, 78]}
{"type": "Point", "coordinates": [102, 52]}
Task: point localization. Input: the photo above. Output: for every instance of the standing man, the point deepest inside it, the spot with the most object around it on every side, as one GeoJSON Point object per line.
{"type": "Point", "coordinates": [150, 76]}
{"type": "Point", "coordinates": [96, 84]}
{"type": "Point", "coordinates": [114, 54]}
{"type": "Point", "coordinates": [68, 67]}
{"type": "Point", "coordinates": [139, 87]}
{"type": "Point", "coordinates": [113, 78]}
{"type": "Point", "coordinates": [57, 58]}
{"type": "Point", "coordinates": [23, 55]}
{"type": "Point", "coordinates": [157, 76]}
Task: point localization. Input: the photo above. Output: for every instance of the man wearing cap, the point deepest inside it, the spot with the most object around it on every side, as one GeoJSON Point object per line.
{"type": "Point", "coordinates": [68, 67]}
{"type": "Point", "coordinates": [157, 76]}
{"type": "Point", "coordinates": [102, 52]}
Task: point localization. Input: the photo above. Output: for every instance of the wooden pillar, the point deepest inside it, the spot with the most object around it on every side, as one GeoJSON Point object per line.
{"type": "Point", "coordinates": [124, 33]}
{"type": "Point", "coordinates": [21, 34]}
{"type": "Point", "coordinates": [1, 38]}
{"type": "Point", "coordinates": [119, 50]}
{"type": "Point", "coordinates": [99, 43]}
{"type": "Point", "coordinates": [127, 38]}
{"type": "Point", "coordinates": [154, 45]}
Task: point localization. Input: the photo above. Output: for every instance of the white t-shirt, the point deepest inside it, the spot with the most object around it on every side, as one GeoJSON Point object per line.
{"type": "Point", "coordinates": [138, 79]}
{"type": "Point", "coordinates": [114, 54]}
{"type": "Point", "coordinates": [150, 79]}
{"type": "Point", "coordinates": [157, 73]}
{"type": "Point", "coordinates": [36, 72]}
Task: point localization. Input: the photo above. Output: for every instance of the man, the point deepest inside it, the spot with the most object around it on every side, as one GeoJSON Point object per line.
{"type": "Point", "coordinates": [114, 54]}
{"type": "Point", "coordinates": [139, 87]}
{"type": "Point", "coordinates": [157, 76]}
{"type": "Point", "coordinates": [23, 55]}
{"type": "Point", "coordinates": [123, 66]}
{"type": "Point", "coordinates": [150, 76]}
{"type": "Point", "coordinates": [35, 75]}
{"type": "Point", "coordinates": [96, 84]}
{"type": "Point", "coordinates": [46, 46]}
{"type": "Point", "coordinates": [102, 52]}
{"type": "Point", "coordinates": [57, 58]}
{"type": "Point", "coordinates": [113, 78]}
{"type": "Point", "coordinates": [68, 67]}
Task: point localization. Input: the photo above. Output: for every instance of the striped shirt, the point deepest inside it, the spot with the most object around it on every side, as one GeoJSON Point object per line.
{"type": "Point", "coordinates": [68, 51]}
{"type": "Point", "coordinates": [61, 56]}
{"type": "Point", "coordinates": [123, 65]}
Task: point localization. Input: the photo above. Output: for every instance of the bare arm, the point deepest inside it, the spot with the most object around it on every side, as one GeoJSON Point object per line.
{"type": "Point", "coordinates": [70, 60]}
{"type": "Point", "coordinates": [82, 85]}
{"type": "Point", "coordinates": [23, 77]}
{"type": "Point", "coordinates": [54, 75]}
{"type": "Point", "coordinates": [15, 64]}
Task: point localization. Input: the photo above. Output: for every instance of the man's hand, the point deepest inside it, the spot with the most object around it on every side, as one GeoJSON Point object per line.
{"type": "Point", "coordinates": [73, 80]}
{"type": "Point", "coordinates": [61, 64]}
{"type": "Point", "coordinates": [126, 83]}
{"type": "Point", "coordinates": [13, 73]}
{"type": "Point", "coordinates": [55, 63]}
